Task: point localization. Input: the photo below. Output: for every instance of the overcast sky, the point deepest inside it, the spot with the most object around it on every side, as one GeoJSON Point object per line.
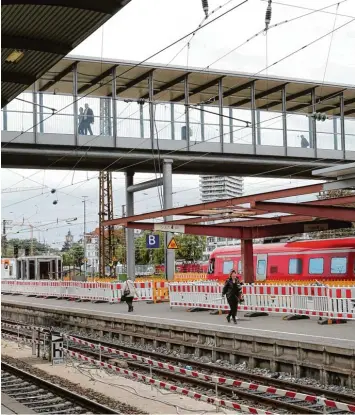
{"type": "Point", "coordinates": [141, 29]}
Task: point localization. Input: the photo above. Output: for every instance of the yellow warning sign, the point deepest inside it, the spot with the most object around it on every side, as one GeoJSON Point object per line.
{"type": "Point", "coordinates": [172, 244]}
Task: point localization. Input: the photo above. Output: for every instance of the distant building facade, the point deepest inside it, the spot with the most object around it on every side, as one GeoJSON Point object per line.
{"type": "Point", "coordinates": [215, 188]}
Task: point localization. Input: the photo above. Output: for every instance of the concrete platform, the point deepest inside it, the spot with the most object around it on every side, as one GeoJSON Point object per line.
{"type": "Point", "coordinates": [271, 327]}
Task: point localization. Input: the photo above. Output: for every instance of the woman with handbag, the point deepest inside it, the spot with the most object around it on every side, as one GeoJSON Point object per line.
{"type": "Point", "coordinates": [233, 291]}
{"type": "Point", "coordinates": [129, 292]}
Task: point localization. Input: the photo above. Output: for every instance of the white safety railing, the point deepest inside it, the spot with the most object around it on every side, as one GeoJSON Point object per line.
{"type": "Point", "coordinates": [303, 300]}
{"type": "Point", "coordinates": [76, 290]}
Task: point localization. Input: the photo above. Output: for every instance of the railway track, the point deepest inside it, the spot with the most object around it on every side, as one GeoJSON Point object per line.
{"type": "Point", "coordinates": [42, 396]}
{"type": "Point", "coordinates": [267, 398]}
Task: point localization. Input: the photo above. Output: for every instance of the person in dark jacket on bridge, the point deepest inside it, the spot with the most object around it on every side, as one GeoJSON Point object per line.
{"type": "Point", "coordinates": [232, 290]}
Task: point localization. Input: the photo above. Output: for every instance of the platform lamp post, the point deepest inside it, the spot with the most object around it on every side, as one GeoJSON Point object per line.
{"type": "Point", "coordinates": [85, 259]}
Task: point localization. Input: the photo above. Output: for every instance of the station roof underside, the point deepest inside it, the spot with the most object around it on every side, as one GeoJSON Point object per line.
{"type": "Point", "coordinates": [45, 32]}
{"type": "Point", "coordinates": [94, 78]}
{"type": "Point", "coordinates": [253, 216]}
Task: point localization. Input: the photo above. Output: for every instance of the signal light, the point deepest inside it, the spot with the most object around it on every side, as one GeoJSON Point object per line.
{"type": "Point", "coordinates": [319, 116]}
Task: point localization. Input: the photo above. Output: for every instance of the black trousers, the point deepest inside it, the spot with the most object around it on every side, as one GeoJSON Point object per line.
{"type": "Point", "coordinates": [129, 301]}
{"type": "Point", "coordinates": [233, 304]}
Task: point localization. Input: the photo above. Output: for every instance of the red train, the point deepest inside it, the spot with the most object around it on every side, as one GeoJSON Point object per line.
{"type": "Point", "coordinates": [301, 260]}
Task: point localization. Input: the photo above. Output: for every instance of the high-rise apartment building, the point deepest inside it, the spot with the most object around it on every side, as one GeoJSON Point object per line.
{"type": "Point", "coordinates": [214, 188]}
{"type": "Point", "coordinates": [220, 187]}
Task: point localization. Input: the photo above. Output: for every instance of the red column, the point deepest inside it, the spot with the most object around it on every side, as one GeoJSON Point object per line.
{"type": "Point", "coordinates": [247, 260]}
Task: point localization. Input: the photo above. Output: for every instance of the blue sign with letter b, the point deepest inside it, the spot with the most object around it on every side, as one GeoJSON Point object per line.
{"type": "Point", "coordinates": [152, 241]}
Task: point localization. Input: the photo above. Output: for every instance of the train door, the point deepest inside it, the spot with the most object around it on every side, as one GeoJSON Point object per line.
{"type": "Point", "coordinates": [261, 267]}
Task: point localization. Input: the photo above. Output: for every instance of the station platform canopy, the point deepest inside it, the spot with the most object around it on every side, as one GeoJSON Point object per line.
{"type": "Point", "coordinates": [36, 34]}
{"type": "Point", "coordinates": [251, 217]}
{"type": "Point", "coordinates": [169, 85]}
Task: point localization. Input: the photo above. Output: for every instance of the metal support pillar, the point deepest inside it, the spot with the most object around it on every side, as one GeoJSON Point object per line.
{"type": "Point", "coordinates": [258, 130]}
{"type": "Point", "coordinates": [151, 109]}
{"type": "Point", "coordinates": [172, 120]}
{"type": "Point", "coordinates": [130, 232]}
{"type": "Point", "coordinates": [342, 126]}
{"type": "Point", "coordinates": [335, 133]}
{"type": "Point", "coordinates": [141, 120]}
{"type": "Point", "coordinates": [230, 125]}
{"type": "Point", "coordinates": [168, 204]}
{"type": "Point", "coordinates": [4, 118]}
{"type": "Point", "coordinates": [313, 123]}
{"type": "Point", "coordinates": [247, 260]}
{"type": "Point", "coordinates": [75, 102]}
{"type": "Point", "coordinates": [41, 115]}
{"type": "Point", "coordinates": [34, 109]}
{"type": "Point", "coordinates": [114, 106]}
{"type": "Point", "coordinates": [284, 119]}
{"type": "Point", "coordinates": [202, 119]}
{"type": "Point", "coordinates": [187, 113]}
{"type": "Point", "coordinates": [253, 124]}
{"type": "Point", "coordinates": [220, 107]}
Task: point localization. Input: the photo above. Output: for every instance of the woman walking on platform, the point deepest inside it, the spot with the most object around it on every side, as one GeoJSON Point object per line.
{"type": "Point", "coordinates": [232, 290]}
{"type": "Point", "coordinates": [129, 292]}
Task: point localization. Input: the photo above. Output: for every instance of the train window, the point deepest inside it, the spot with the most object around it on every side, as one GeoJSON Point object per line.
{"type": "Point", "coordinates": [261, 267]}
{"type": "Point", "coordinates": [316, 265]}
{"type": "Point", "coordinates": [227, 267]}
{"type": "Point", "coordinates": [295, 266]}
{"type": "Point", "coordinates": [338, 265]}
{"type": "Point", "coordinates": [240, 267]}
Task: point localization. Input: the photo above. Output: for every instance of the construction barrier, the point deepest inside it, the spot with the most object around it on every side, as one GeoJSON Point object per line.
{"type": "Point", "coordinates": [76, 290]}
{"type": "Point", "coordinates": [330, 302]}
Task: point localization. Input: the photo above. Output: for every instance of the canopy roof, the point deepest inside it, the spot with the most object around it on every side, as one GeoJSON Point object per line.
{"type": "Point", "coordinates": [244, 217]}
{"type": "Point", "coordinates": [44, 31]}
{"type": "Point", "coordinates": [94, 78]}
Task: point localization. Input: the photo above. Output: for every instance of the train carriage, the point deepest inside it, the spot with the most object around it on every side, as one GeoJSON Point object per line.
{"type": "Point", "coordinates": [332, 259]}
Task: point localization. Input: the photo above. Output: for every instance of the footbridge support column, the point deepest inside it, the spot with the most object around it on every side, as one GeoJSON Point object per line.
{"type": "Point", "coordinates": [130, 232]}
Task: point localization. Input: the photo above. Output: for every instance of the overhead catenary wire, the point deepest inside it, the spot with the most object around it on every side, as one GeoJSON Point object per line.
{"type": "Point", "coordinates": [278, 24]}
{"type": "Point", "coordinates": [284, 59]}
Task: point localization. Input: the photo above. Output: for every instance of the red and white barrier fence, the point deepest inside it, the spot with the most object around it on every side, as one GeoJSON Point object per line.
{"type": "Point", "coordinates": [216, 379]}
{"type": "Point", "coordinates": [330, 302]}
{"type": "Point", "coordinates": [172, 388]}
{"type": "Point", "coordinates": [76, 290]}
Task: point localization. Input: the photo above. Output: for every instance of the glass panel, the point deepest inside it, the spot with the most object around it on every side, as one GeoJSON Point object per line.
{"type": "Point", "coordinates": [326, 134]}
{"type": "Point", "coordinates": [270, 128]}
{"type": "Point", "coordinates": [316, 265]}
{"type": "Point", "coordinates": [241, 133]}
{"type": "Point", "coordinates": [61, 123]}
{"type": "Point", "coordinates": [20, 114]}
{"type": "Point", "coordinates": [295, 266]}
{"type": "Point", "coordinates": [298, 131]}
{"type": "Point", "coordinates": [211, 124]}
{"type": "Point", "coordinates": [338, 265]}
{"type": "Point", "coordinates": [227, 267]}
{"type": "Point", "coordinates": [349, 134]}
{"type": "Point", "coordinates": [129, 122]}
{"type": "Point", "coordinates": [179, 122]}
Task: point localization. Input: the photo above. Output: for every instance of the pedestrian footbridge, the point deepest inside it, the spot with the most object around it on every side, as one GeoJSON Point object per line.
{"type": "Point", "coordinates": [204, 120]}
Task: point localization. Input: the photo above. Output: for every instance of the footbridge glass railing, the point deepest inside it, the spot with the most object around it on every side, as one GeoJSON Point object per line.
{"type": "Point", "coordinates": [39, 112]}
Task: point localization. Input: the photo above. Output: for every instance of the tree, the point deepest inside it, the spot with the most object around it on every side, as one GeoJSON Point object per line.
{"type": "Point", "coordinates": [37, 247]}
{"type": "Point", "coordinates": [335, 233]}
{"type": "Point", "coordinates": [191, 247]}
{"type": "Point", "coordinates": [77, 251]}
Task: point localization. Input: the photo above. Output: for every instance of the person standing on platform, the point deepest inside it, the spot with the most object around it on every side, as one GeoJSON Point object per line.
{"type": "Point", "coordinates": [88, 119]}
{"type": "Point", "coordinates": [232, 290]}
{"type": "Point", "coordinates": [129, 292]}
